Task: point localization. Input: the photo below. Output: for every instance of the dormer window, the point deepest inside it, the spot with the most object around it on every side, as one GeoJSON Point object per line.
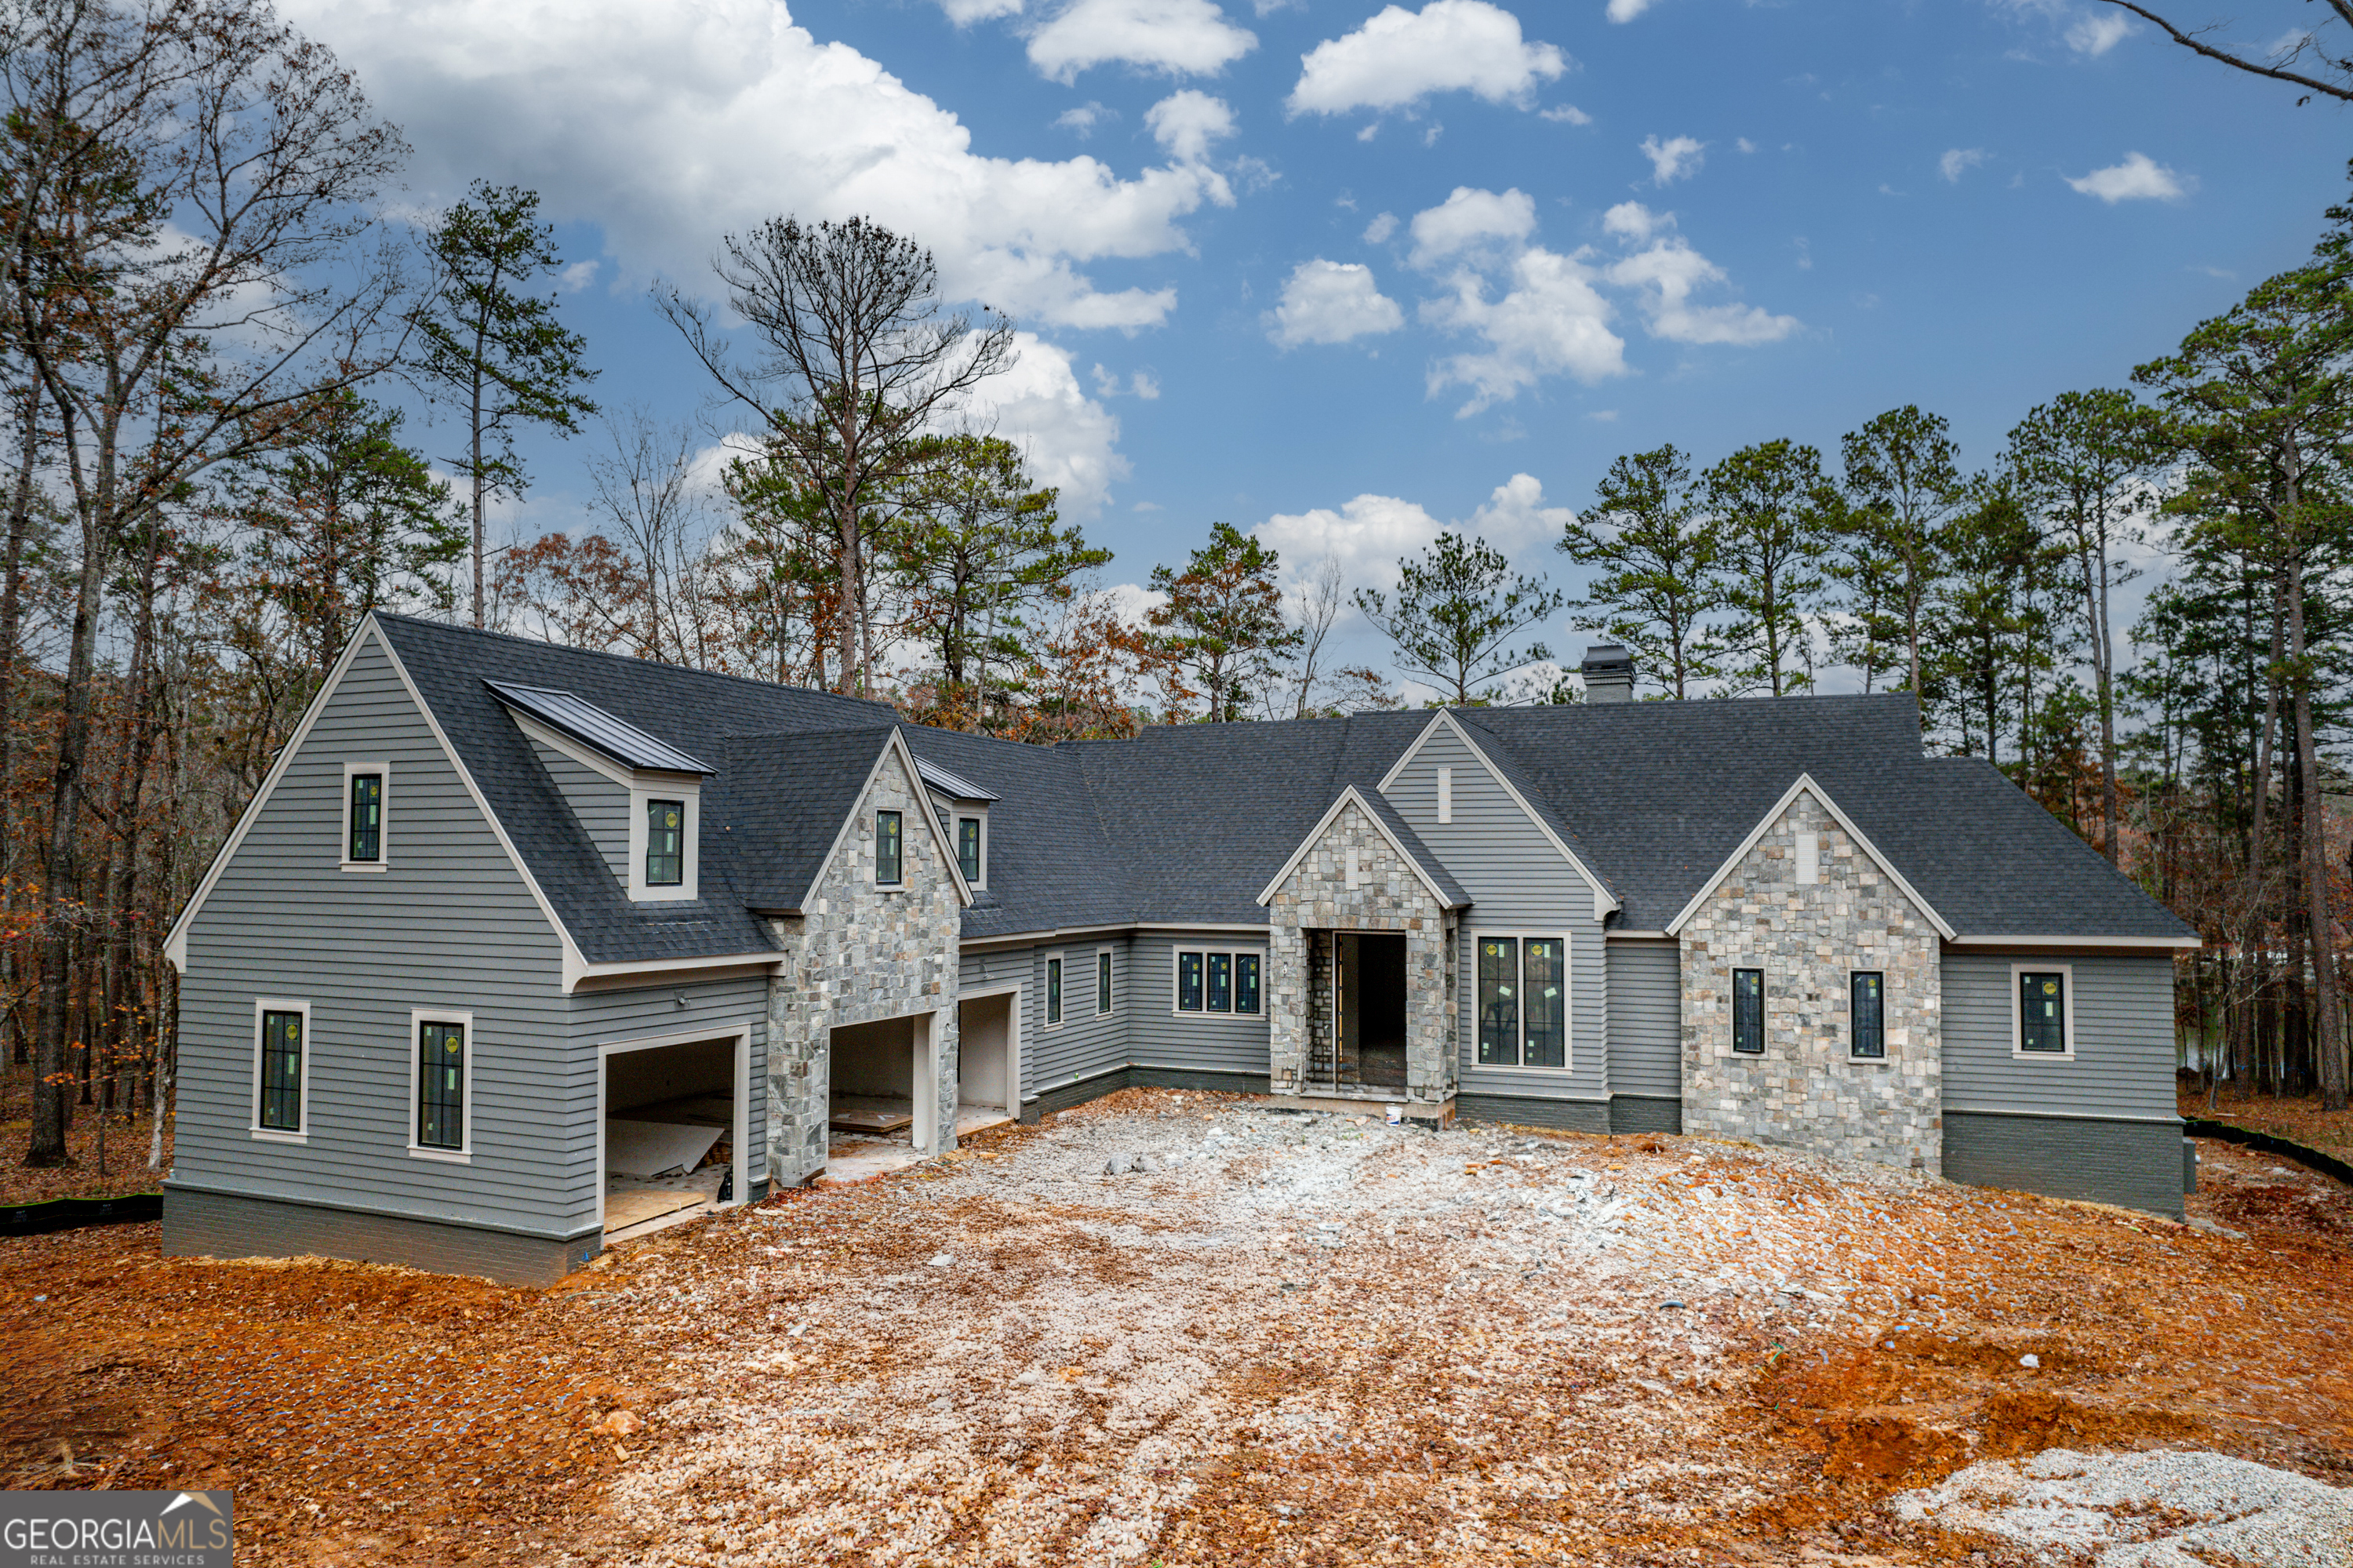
{"type": "Point", "coordinates": [665, 844]}
{"type": "Point", "coordinates": [889, 850]}
{"type": "Point", "coordinates": [972, 847]}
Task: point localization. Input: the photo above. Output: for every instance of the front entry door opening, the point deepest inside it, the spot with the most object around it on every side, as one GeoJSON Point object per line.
{"type": "Point", "coordinates": [1369, 1011]}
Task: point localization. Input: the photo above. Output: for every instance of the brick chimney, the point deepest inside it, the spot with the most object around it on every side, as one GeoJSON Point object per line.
{"type": "Point", "coordinates": [1608, 672]}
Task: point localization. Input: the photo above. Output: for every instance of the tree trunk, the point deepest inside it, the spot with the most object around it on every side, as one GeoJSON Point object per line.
{"type": "Point", "coordinates": [2328, 1049]}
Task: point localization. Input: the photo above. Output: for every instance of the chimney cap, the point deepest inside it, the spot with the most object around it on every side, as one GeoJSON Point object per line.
{"type": "Point", "coordinates": [1607, 658]}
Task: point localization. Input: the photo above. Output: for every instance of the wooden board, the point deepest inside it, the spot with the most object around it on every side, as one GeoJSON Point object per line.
{"type": "Point", "coordinates": [871, 1115]}
{"type": "Point", "coordinates": [623, 1210]}
{"type": "Point", "coordinates": [650, 1148]}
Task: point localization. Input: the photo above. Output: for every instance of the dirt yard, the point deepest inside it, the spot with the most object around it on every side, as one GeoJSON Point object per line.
{"type": "Point", "coordinates": [2298, 1119]}
{"type": "Point", "coordinates": [1284, 1340]}
{"type": "Point", "coordinates": [124, 1134]}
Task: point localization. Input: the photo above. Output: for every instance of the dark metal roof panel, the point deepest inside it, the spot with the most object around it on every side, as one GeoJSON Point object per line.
{"type": "Point", "coordinates": [953, 785]}
{"type": "Point", "coordinates": [591, 726]}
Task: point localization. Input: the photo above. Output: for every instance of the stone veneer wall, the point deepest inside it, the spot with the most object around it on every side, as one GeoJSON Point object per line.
{"type": "Point", "coordinates": [857, 954]}
{"type": "Point", "coordinates": [1806, 1090]}
{"type": "Point", "coordinates": [1389, 897]}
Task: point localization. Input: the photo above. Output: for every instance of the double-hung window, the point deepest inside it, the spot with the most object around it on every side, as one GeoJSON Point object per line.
{"type": "Point", "coordinates": [1053, 991]}
{"type": "Point", "coordinates": [441, 1082]}
{"type": "Point", "coordinates": [888, 849]}
{"type": "Point", "coordinates": [1208, 980]}
{"type": "Point", "coordinates": [1867, 997]}
{"type": "Point", "coordinates": [1748, 1011]}
{"type": "Point", "coordinates": [665, 844]}
{"type": "Point", "coordinates": [1523, 1002]}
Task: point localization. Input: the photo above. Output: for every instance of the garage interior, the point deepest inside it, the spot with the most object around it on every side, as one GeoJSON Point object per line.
{"type": "Point", "coordinates": [875, 1119]}
{"type": "Point", "coordinates": [989, 1074]}
{"type": "Point", "coordinates": [670, 1123]}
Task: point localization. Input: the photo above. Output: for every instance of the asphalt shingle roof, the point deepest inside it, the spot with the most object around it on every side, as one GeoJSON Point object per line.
{"type": "Point", "coordinates": [1188, 823]}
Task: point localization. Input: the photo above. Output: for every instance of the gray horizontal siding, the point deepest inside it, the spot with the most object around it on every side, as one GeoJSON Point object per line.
{"type": "Point", "coordinates": [2134, 1164]}
{"type": "Point", "coordinates": [713, 1007]}
{"type": "Point", "coordinates": [450, 924]}
{"type": "Point", "coordinates": [1646, 1052]}
{"type": "Point", "coordinates": [2123, 1038]}
{"type": "Point", "coordinates": [1499, 854]}
{"type": "Point", "coordinates": [1588, 1073]}
{"type": "Point", "coordinates": [1160, 1036]}
{"type": "Point", "coordinates": [599, 805]}
{"type": "Point", "coordinates": [1082, 1045]}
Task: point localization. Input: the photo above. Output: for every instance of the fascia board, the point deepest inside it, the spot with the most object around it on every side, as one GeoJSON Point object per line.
{"type": "Point", "coordinates": [1805, 785]}
{"type": "Point", "coordinates": [175, 941]}
{"type": "Point", "coordinates": [1981, 940]}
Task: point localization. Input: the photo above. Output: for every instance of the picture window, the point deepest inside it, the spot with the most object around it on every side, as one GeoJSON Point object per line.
{"type": "Point", "coordinates": [2043, 1011]}
{"type": "Point", "coordinates": [1523, 1002]}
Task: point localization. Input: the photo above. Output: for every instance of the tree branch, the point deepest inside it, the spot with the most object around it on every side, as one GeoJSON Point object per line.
{"type": "Point", "coordinates": [2277, 73]}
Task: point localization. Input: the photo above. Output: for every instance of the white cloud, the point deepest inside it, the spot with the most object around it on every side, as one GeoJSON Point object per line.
{"type": "Point", "coordinates": [1331, 301]}
{"type": "Point", "coordinates": [1631, 220]}
{"type": "Point", "coordinates": [1667, 273]}
{"type": "Point", "coordinates": [1627, 10]}
{"type": "Point", "coordinates": [1399, 57]}
{"type": "Point", "coordinates": [1183, 37]}
{"type": "Point", "coordinates": [1744, 143]}
{"type": "Point", "coordinates": [1070, 441]}
{"type": "Point", "coordinates": [660, 120]}
{"type": "Point", "coordinates": [579, 275]}
{"type": "Point", "coordinates": [1550, 321]}
{"type": "Point", "coordinates": [1677, 158]}
{"type": "Point", "coordinates": [1187, 123]}
{"type": "Point", "coordinates": [1469, 219]}
{"type": "Point", "coordinates": [2137, 178]}
{"type": "Point", "coordinates": [1084, 118]}
{"type": "Point", "coordinates": [964, 13]}
{"type": "Point", "coordinates": [1132, 601]}
{"type": "Point", "coordinates": [1566, 114]}
{"type": "Point", "coordinates": [1958, 161]}
{"type": "Point", "coordinates": [1371, 534]}
{"type": "Point", "coordinates": [2096, 35]}
{"type": "Point", "coordinates": [1378, 232]}
{"type": "Point", "coordinates": [1142, 384]}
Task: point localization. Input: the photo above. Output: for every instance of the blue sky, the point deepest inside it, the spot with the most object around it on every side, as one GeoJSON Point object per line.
{"type": "Point", "coordinates": [1347, 274]}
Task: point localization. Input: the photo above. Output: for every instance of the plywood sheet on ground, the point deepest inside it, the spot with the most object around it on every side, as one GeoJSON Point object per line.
{"type": "Point", "coordinates": [623, 1210]}
{"type": "Point", "coordinates": [649, 1148]}
{"type": "Point", "coordinates": [854, 1114]}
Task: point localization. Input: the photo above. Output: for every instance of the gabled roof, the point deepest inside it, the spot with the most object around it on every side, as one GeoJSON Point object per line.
{"type": "Point", "coordinates": [1806, 786]}
{"type": "Point", "coordinates": [592, 726]}
{"type": "Point", "coordinates": [1424, 865]}
{"type": "Point", "coordinates": [1499, 761]}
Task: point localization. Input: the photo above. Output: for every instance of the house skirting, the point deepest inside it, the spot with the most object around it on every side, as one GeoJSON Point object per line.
{"type": "Point", "coordinates": [1062, 1096]}
{"type": "Point", "coordinates": [201, 1223]}
{"type": "Point", "coordinates": [1537, 1110]}
{"type": "Point", "coordinates": [2133, 1164]}
{"type": "Point", "coordinates": [1645, 1113]}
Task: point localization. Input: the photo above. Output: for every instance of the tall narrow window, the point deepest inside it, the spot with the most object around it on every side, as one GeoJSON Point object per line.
{"type": "Point", "coordinates": [665, 844]}
{"type": "Point", "coordinates": [367, 818]}
{"type": "Point", "coordinates": [1221, 982]}
{"type": "Point", "coordinates": [1053, 990]}
{"type": "Point", "coordinates": [1546, 962]}
{"type": "Point", "coordinates": [2043, 1011]}
{"type": "Point", "coordinates": [281, 1072]}
{"type": "Point", "coordinates": [1748, 1011]}
{"type": "Point", "coordinates": [1499, 1002]}
{"type": "Point", "coordinates": [886, 848]}
{"type": "Point", "coordinates": [1189, 982]}
{"type": "Point", "coordinates": [968, 848]}
{"type": "Point", "coordinates": [1246, 966]}
{"type": "Point", "coordinates": [440, 1085]}
{"type": "Point", "coordinates": [1869, 998]}
{"type": "Point", "coordinates": [1103, 984]}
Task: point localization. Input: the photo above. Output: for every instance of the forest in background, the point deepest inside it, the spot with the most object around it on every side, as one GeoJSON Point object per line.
{"type": "Point", "coordinates": [216, 340]}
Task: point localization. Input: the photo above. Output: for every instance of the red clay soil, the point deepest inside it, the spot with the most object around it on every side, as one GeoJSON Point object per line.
{"type": "Point", "coordinates": [369, 1414]}
{"type": "Point", "coordinates": [2300, 1120]}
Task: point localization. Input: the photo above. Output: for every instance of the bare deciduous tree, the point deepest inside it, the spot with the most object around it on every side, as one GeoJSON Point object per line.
{"type": "Point", "coordinates": [2279, 60]}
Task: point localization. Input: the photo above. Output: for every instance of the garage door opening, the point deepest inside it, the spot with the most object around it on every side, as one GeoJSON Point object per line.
{"type": "Point", "coordinates": [988, 1063]}
{"type": "Point", "coordinates": [882, 1106]}
{"type": "Point", "coordinates": [670, 1142]}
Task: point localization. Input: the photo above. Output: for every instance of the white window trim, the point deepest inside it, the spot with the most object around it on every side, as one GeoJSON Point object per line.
{"type": "Point", "coordinates": [1204, 950]}
{"type": "Point", "coordinates": [873, 873]}
{"type": "Point", "coordinates": [2018, 1051]}
{"type": "Point", "coordinates": [382, 861]}
{"type": "Point", "coordinates": [1054, 990]}
{"type": "Point", "coordinates": [1886, 1051]}
{"type": "Point", "coordinates": [688, 887]}
{"type": "Point", "coordinates": [417, 1019]}
{"type": "Point", "coordinates": [1446, 794]}
{"type": "Point", "coordinates": [302, 1133]}
{"type": "Point", "coordinates": [956, 816]}
{"type": "Point", "coordinates": [1110, 953]}
{"type": "Point", "coordinates": [1568, 994]}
